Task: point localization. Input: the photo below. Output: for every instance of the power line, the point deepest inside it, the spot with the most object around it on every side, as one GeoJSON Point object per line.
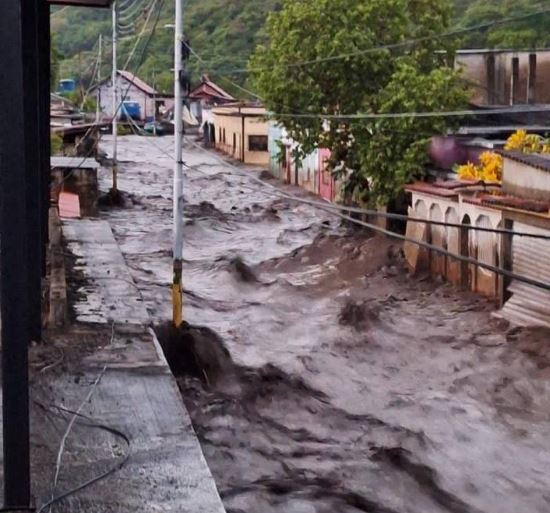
{"type": "Point", "coordinates": [430, 114]}
{"type": "Point", "coordinates": [373, 213]}
{"type": "Point", "coordinates": [391, 46]}
{"type": "Point", "coordinates": [123, 98]}
{"type": "Point", "coordinates": [327, 207]}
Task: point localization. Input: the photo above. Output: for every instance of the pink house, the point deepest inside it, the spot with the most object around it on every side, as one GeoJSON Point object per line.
{"type": "Point", "coordinates": [327, 184]}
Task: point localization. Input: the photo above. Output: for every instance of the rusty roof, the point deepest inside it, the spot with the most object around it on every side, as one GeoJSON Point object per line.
{"type": "Point", "coordinates": [507, 201]}
{"type": "Point", "coordinates": [209, 88]}
{"type": "Point", "coordinates": [435, 190]}
{"type": "Point", "coordinates": [535, 160]}
{"type": "Point", "coordinates": [140, 84]}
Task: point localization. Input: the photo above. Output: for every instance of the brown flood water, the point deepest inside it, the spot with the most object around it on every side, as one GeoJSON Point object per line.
{"type": "Point", "coordinates": [320, 377]}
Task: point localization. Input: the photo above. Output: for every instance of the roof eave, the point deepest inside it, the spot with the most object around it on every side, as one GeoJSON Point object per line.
{"type": "Point", "coordinates": [82, 3]}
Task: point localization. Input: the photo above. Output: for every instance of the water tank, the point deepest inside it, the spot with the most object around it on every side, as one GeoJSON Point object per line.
{"type": "Point", "coordinates": [67, 85]}
{"type": "Point", "coordinates": [130, 110]}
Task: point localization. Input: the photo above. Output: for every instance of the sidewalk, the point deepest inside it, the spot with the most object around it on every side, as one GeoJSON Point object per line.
{"type": "Point", "coordinates": [110, 356]}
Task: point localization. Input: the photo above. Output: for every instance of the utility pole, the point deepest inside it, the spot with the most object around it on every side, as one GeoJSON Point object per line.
{"type": "Point", "coordinates": [115, 99]}
{"type": "Point", "coordinates": [98, 98]}
{"type": "Point", "coordinates": [177, 293]}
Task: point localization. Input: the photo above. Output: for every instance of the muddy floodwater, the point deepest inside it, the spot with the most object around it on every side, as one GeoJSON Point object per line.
{"type": "Point", "coordinates": [320, 377]}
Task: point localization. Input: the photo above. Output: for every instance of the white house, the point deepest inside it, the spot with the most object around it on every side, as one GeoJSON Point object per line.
{"type": "Point", "coordinates": [151, 102]}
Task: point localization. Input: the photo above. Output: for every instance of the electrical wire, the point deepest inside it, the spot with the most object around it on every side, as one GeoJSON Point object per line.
{"type": "Point", "coordinates": [363, 211]}
{"type": "Point", "coordinates": [69, 428]}
{"type": "Point", "coordinates": [326, 207]}
{"type": "Point", "coordinates": [368, 116]}
{"type": "Point", "coordinates": [431, 114]}
{"type": "Point", "coordinates": [392, 46]}
{"type": "Point", "coordinates": [123, 98]}
{"type": "Point", "coordinates": [93, 424]}
{"type": "Point", "coordinates": [131, 54]}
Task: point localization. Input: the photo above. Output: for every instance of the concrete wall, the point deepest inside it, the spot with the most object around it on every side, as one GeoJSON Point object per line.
{"type": "Point", "coordinates": [497, 89]}
{"type": "Point", "coordinates": [483, 246]}
{"type": "Point", "coordinates": [526, 181]}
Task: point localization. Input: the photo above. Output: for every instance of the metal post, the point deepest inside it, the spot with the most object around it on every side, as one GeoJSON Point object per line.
{"type": "Point", "coordinates": [177, 298]}
{"type": "Point", "coordinates": [98, 97]}
{"type": "Point", "coordinates": [115, 99]}
{"type": "Point", "coordinates": [16, 147]}
{"type": "Point", "coordinates": [44, 72]}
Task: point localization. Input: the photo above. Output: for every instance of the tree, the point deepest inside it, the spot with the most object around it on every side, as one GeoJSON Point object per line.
{"type": "Point", "coordinates": [531, 32]}
{"type": "Point", "coordinates": [377, 156]}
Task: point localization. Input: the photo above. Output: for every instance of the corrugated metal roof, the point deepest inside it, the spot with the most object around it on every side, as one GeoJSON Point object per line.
{"type": "Point", "coordinates": [529, 306]}
{"type": "Point", "coordinates": [140, 84]}
{"type": "Point", "coordinates": [535, 160]}
{"type": "Point", "coordinates": [211, 89]}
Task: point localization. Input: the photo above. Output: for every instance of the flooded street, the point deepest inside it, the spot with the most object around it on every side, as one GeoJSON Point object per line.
{"type": "Point", "coordinates": [320, 377]}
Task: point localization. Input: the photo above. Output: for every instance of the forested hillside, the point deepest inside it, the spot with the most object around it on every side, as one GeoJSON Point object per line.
{"type": "Point", "coordinates": [224, 33]}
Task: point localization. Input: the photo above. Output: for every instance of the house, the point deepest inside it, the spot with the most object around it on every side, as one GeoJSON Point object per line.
{"type": "Point", "coordinates": [310, 173]}
{"type": "Point", "coordinates": [241, 131]}
{"type": "Point", "coordinates": [151, 103]}
{"type": "Point", "coordinates": [506, 77]}
{"type": "Point", "coordinates": [521, 204]}
{"type": "Point", "coordinates": [205, 96]}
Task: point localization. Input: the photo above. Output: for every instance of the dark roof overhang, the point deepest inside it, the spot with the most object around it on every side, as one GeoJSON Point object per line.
{"type": "Point", "coordinates": [81, 3]}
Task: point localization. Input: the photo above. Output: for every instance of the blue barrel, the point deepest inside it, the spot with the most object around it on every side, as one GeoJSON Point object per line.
{"type": "Point", "coordinates": [130, 110]}
{"type": "Point", "coordinates": [67, 85]}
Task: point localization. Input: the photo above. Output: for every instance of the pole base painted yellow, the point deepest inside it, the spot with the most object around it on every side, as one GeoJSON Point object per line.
{"type": "Point", "coordinates": [177, 295]}
{"type": "Point", "coordinates": [177, 305]}
{"type": "Point", "coordinates": [115, 177]}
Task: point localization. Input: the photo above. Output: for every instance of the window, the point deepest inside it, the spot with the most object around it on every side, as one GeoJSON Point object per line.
{"type": "Point", "coordinates": [234, 142]}
{"type": "Point", "coordinates": [257, 142]}
{"type": "Point", "coordinates": [224, 135]}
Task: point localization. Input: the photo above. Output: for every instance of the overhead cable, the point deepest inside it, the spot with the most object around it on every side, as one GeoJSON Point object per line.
{"type": "Point", "coordinates": [391, 46]}
{"type": "Point", "coordinates": [426, 245]}
{"type": "Point", "coordinates": [369, 212]}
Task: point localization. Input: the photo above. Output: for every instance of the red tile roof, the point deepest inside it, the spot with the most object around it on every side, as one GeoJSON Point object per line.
{"type": "Point", "coordinates": [208, 89]}
{"type": "Point", "coordinates": [433, 189]}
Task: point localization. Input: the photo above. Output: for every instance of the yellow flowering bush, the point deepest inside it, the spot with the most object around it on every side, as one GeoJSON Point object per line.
{"type": "Point", "coordinates": [489, 170]}
{"type": "Point", "coordinates": [516, 142]}
{"type": "Point", "coordinates": [527, 143]}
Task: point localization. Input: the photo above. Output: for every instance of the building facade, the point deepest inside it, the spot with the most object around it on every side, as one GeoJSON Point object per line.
{"type": "Point", "coordinates": [241, 131]}
{"type": "Point", "coordinates": [506, 77]}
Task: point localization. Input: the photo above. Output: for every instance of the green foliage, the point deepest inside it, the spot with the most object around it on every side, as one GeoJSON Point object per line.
{"type": "Point", "coordinates": [223, 32]}
{"type": "Point", "coordinates": [56, 144]}
{"type": "Point", "coordinates": [124, 130]}
{"type": "Point", "coordinates": [528, 33]}
{"type": "Point", "coordinates": [375, 156]}
{"type": "Point", "coordinates": [78, 98]}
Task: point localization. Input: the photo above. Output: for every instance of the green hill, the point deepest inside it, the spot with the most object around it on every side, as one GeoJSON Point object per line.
{"type": "Point", "coordinates": [225, 32]}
